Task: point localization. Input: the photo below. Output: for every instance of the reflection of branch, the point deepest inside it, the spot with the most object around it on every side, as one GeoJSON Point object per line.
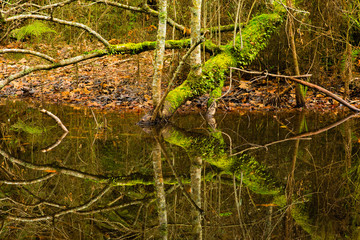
{"type": "Point", "coordinates": [49, 168]}
{"type": "Point", "coordinates": [303, 136]}
{"type": "Point", "coordinates": [32, 205]}
{"type": "Point", "coordinates": [55, 144]}
{"type": "Point", "coordinates": [63, 212]}
{"type": "Point", "coordinates": [28, 182]}
{"type": "Point", "coordinates": [58, 121]}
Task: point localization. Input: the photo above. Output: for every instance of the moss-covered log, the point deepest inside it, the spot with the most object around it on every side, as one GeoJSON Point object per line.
{"type": "Point", "coordinates": [255, 37]}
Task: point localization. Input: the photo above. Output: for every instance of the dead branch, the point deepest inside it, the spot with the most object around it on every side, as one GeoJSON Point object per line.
{"type": "Point", "coordinates": [311, 85]}
{"type": "Point", "coordinates": [24, 51]}
{"type": "Point", "coordinates": [58, 121]}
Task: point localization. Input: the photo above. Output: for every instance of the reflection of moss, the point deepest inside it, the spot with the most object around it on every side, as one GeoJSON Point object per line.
{"type": "Point", "coordinates": [213, 150]}
{"type": "Point", "coordinates": [27, 128]}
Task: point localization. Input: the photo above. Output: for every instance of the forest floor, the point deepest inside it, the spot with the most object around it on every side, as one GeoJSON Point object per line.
{"type": "Point", "coordinates": [124, 82]}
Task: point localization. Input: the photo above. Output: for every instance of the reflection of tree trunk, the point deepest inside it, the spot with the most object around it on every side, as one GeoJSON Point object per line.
{"type": "Point", "coordinates": [160, 192]}
{"type": "Point", "coordinates": [290, 187]}
{"type": "Point", "coordinates": [195, 172]}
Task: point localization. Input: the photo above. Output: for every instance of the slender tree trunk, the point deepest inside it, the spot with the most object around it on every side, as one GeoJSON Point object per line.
{"type": "Point", "coordinates": [195, 57]}
{"type": "Point", "coordinates": [159, 54]}
{"type": "Point", "coordinates": [299, 90]}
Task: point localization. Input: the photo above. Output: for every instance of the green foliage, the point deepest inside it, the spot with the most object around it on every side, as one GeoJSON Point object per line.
{"type": "Point", "coordinates": [35, 29]}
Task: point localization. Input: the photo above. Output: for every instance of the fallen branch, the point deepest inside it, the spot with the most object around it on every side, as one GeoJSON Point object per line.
{"type": "Point", "coordinates": [58, 121]}
{"type": "Point", "coordinates": [311, 85]}
{"type": "Point", "coordinates": [24, 51]}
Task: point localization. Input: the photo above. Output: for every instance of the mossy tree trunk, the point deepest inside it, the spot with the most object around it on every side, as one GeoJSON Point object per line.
{"type": "Point", "coordinates": [255, 37]}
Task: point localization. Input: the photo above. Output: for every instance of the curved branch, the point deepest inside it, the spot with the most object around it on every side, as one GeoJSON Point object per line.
{"type": "Point", "coordinates": [60, 21]}
{"type": "Point", "coordinates": [24, 51]}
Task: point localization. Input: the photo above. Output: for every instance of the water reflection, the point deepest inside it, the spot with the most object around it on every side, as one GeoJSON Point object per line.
{"type": "Point", "coordinates": [242, 176]}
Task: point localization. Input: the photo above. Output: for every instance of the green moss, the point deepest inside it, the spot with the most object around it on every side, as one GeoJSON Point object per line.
{"type": "Point", "coordinates": [255, 37]}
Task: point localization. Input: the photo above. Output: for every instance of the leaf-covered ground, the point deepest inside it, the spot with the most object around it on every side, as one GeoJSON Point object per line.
{"type": "Point", "coordinates": [124, 82]}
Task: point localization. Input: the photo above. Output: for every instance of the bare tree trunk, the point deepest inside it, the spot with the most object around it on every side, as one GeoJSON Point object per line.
{"type": "Point", "coordinates": [195, 57]}
{"type": "Point", "coordinates": [299, 90]}
{"type": "Point", "coordinates": [159, 54]}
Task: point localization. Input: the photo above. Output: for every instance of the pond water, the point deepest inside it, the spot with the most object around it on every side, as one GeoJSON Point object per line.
{"type": "Point", "coordinates": [249, 175]}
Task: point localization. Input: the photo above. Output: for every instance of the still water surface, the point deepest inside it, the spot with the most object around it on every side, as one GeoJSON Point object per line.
{"type": "Point", "coordinates": [284, 175]}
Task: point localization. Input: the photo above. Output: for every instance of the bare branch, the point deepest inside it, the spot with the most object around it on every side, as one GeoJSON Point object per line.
{"type": "Point", "coordinates": [60, 21]}
{"type": "Point", "coordinates": [24, 51]}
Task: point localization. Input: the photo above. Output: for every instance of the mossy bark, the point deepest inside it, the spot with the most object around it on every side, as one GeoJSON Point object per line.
{"type": "Point", "coordinates": [255, 37]}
